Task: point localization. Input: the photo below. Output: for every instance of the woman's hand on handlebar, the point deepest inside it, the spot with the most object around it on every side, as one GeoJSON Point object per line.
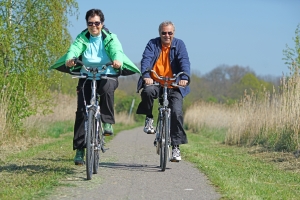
{"type": "Point", "coordinates": [116, 64]}
{"type": "Point", "coordinates": [148, 81]}
{"type": "Point", "coordinates": [70, 63]}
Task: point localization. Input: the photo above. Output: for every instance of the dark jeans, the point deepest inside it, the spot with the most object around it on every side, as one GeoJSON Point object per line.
{"type": "Point", "coordinates": [106, 89]}
{"type": "Point", "coordinates": [149, 93]}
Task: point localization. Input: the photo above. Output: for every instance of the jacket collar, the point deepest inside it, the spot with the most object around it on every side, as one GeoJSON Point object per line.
{"type": "Point", "coordinates": [173, 45]}
{"type": "Point", "coordinates": [104, 32]}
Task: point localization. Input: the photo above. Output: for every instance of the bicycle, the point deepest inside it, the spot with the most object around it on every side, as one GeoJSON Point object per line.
{"type": "Point", "coordinates": [162, 131]}
{"type": "Point", "coordinates": [94, 134]}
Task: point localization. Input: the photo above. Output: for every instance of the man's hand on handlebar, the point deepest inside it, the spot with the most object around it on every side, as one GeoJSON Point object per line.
{"type": "Point", "coordinates": [182, 83]}
{"type": "Point", "coordinates": [148, 81]}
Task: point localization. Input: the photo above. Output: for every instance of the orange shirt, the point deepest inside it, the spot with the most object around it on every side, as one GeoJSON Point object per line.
{"type": "Point", "coordinates": [162, 66]}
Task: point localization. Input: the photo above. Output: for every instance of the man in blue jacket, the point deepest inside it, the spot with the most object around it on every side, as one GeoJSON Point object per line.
{"type": "Point", "coordinates": [167, 56]}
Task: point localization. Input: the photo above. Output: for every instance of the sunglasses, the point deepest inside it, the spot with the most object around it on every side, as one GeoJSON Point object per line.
{"type": "Point", "coordinates": [165, 33]}
{"type": "Point", "coordinates": [92, 23]}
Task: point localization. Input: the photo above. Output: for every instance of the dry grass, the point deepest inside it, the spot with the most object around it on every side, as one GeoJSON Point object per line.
{"type": "Point", "coordinates": [203, 114]}
{"type": "Point", "coordinates": [269, 126]}
{"type": "Point", "coordinates": [271, 120]}
{"type": "Point", "coordinates": [284, 160]}
{"type": "Point", "coordinates": [62, 109]}
{"type": "Point", "coordinates": [123, 118]}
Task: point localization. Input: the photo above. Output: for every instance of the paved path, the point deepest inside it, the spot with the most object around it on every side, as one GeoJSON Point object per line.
{"type": "Point", "coordinates": [129, 170]}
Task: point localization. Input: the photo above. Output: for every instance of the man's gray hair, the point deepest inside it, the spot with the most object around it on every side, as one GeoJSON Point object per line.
{"type": "Point", "coordinates": [165, 23]}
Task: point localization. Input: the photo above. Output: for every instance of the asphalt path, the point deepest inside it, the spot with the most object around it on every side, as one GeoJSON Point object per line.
{"type": "Point", "coordinates": [130, 170]}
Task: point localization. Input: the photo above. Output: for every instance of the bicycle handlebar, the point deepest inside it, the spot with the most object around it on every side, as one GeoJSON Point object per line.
{"type": "Point", "coordinates": [94, 70]}
{"type": "Point", "coordinates": [174, 78]}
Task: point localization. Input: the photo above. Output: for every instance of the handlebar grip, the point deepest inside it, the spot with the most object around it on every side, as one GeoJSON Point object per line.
{"type": "Point", "coordinates": [76, 60]}
{"type": "Point", "coordinates": [109, 63]}
{"type": "Point", "coordinates": [119, 70]}
{"type": "Point", "coordinates": [189, 79]}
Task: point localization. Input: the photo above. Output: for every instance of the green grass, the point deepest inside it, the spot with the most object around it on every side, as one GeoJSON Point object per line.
{"type": "Point", "coordinates": [236, 173]}
{"type": "Point", "coordinates": [35, 172]}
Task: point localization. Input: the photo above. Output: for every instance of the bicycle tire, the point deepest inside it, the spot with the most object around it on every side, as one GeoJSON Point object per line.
{"type": "Point", "coordinates": [160, 139]}
{"type": "Point", "coordinates": [169, 149]}
{"type": "Point", "coordinates": [90, 144]}
{"type": "Point", "coordinates": [165, 141]}
{"type": "Point", "coordinates": [98, 146]}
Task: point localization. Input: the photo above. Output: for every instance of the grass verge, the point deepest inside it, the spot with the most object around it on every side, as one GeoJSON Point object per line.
{"type": "Point", "coordinates": [236, 173]}
{"type": "Point", "coordinates": [35, 172]}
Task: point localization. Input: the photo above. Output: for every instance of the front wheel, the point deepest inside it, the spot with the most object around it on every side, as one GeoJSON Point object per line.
{"type": "Point", "coordinates": [98, 146]}
{"type": "Point", "coordinates": [164, 150]}
{"type": "Point", "coordinates": [90, 144]}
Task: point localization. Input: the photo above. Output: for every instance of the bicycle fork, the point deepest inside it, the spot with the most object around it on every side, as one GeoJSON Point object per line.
{"type": "Point", "coordinates": [158, 127]}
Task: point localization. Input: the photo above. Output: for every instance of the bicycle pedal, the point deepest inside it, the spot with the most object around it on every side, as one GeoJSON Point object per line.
{"type": "Point", "coordinates": [104, 150]}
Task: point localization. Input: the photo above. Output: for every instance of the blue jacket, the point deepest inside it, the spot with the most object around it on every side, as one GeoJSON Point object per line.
{"type": "Point", "coordinates": [178, 57]}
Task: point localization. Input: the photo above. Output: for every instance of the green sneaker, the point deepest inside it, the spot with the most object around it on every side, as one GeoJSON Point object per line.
{"type": "Point", "coordinates": [108, 129]}
{"type": "Point", "coordinates": [79, 157]}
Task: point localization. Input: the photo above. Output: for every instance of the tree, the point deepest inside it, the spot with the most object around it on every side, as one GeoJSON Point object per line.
{"type": "Point", "coordinates": [292, 56]}
{"type": "Point", "coordinates": [219, 81]}
{"type": "Point", "coordinates": [33, 35]}
{"type": "Point", "coordinates": [249, 82]}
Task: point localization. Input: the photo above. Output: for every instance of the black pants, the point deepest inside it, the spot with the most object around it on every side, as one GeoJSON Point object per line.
{"type": "Point", "coordinates": [106, 89]}
{"type": "Point", "coordinates": [149, 93]}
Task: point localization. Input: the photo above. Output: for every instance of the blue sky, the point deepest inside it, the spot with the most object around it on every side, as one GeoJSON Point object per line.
{"type": "Point", "coordinates": [248, 33]}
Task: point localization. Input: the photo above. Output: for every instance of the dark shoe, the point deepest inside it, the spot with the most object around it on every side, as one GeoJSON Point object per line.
{"type": "Point", "coordinates": [79, 157]}
{"type": "Point", "coordinates": [108, 129]}
{"type": "Point", "coordinates": [149, 126]}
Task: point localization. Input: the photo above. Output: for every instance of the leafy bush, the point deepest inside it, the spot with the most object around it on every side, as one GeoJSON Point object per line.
{"type": "Point", "coordinates": [27, 52]}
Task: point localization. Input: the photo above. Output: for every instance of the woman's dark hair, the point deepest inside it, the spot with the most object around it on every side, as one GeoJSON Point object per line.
{"type": "Point", "coordinates": [93, 13]}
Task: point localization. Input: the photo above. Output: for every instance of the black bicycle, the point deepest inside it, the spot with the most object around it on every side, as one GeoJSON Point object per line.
{"type": "Point", "coordinates": [94, 134]}
{"type": "Point", "coordinates": [162, 138]}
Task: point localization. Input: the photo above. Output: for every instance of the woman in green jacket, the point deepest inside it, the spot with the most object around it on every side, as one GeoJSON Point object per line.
{"type": "Point", "coordinates": [95, 46]}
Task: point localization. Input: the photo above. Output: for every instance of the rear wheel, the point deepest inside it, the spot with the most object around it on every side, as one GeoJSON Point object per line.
{"type": "Point", "coordinates": [90, 144]}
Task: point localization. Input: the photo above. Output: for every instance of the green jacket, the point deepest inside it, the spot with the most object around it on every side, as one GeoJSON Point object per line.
{"type": "Point", "coordinates": [112, 46]}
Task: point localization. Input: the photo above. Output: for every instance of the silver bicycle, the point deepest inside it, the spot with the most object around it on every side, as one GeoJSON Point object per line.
{"type": "Point", "coordinates": [94, 134]}
{"type": "Point", "coordinates": [162, 136]}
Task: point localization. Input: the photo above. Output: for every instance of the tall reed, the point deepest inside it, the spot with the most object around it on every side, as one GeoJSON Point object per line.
{"type": "Point", "coordinates": [63, 109]}
{"type": "Point", "coordinates": [270, 119]}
